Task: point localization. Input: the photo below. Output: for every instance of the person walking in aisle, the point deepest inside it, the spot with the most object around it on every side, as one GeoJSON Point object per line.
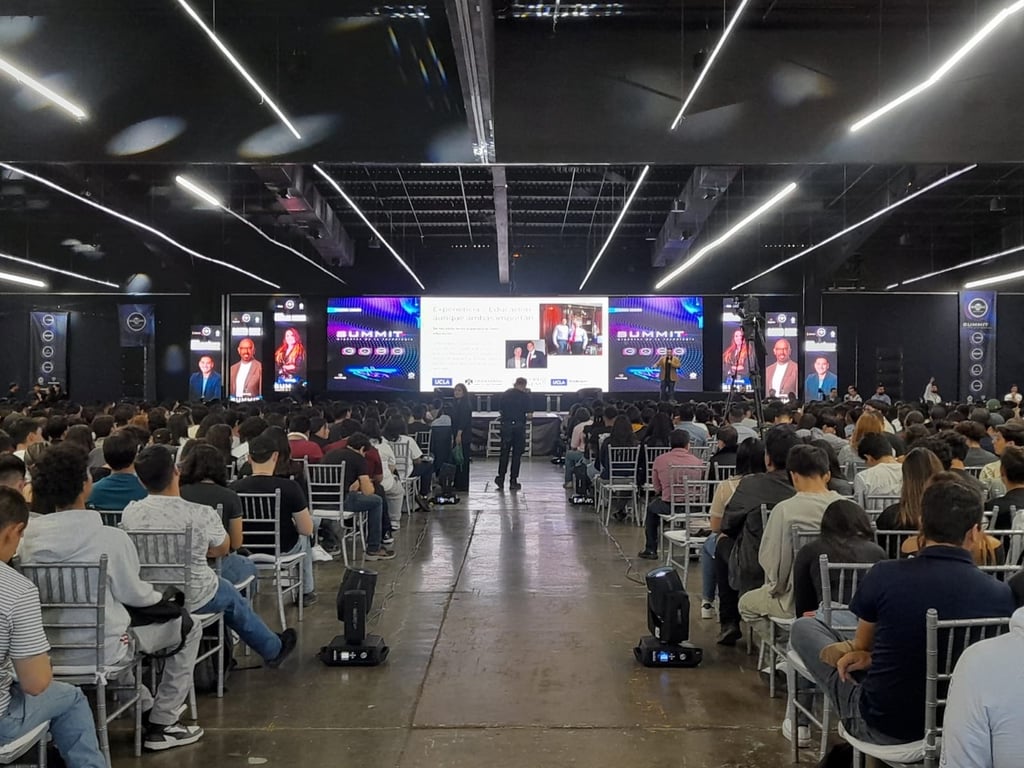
{"type": "Point", "coordinates": [515, 405]}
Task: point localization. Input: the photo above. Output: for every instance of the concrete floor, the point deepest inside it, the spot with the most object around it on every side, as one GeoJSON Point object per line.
{"type": "Point", "coordinates": [511, 619]}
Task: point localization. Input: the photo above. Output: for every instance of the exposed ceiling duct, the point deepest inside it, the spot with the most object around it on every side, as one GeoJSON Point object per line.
{"type": "Point", "coordinates": [691, 210]}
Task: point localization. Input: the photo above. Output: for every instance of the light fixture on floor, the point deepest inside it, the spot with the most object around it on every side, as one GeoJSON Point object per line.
{"type": "Point", "coordinates": [355, 648]}
{"type": "Point", "coordinates": [668, 619]}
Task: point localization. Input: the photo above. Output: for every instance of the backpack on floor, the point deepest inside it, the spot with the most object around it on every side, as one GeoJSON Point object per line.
{"type": "Point", "coordinates": [583, 488]}
{"type": "Point", "coordinates": [206, 670]}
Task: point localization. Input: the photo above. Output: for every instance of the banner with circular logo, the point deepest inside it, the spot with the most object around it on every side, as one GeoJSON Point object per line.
{"type": "Point", "coordinates": [137, 324]}
{"type": "Point", "coordinates": [978, 345]}
{"type": "Point", "coordinates": [49, 348]}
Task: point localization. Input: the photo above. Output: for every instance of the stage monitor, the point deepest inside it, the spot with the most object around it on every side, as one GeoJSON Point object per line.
{"type": "Point", "coordinates": [373, 343]}
{"type": "Point", "coordinates": [206, 354]}
{"type": "Point", "coordinates": [735, 350]}
{"type": "Point", "coordinates": [642, 329]}
{"type": "Point", "coordinates": [245, 376]}
{"type": "Point", "coordinates": [782, 358]}
{"type": "Point", "coordinates": [820, 362]}
{"type": "Point", "coordinates": [290, 356]}
{"type": "Point", "coordinates": [556, 344]}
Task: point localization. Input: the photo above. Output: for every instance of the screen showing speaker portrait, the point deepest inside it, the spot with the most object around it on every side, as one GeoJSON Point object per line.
{"type": "Point", "coordinates": [556, 344]}
{"type": "Point", "coordinates": [736, 350]}
{"type": "Point", "coordinates": [290, 356]}
{"type": "Point", "coordinates": [373, 343]}
{"type": "Point", "coordinates": [782, 352]}
{"type": "Point", "coordinates": [206, 354]}
{"type": "Point", "coordinates": [820, 357]}
{"type": "Point", "coordinates": [649, 334]}
{"type": "Point", "coordinates": [245, 374]}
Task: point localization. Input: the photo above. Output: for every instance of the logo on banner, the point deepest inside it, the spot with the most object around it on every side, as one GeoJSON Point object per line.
{"type": "Point", "coordinates": [206, 330]}
{"type": "Point", "coordinates": [820, 333]}
{"type": "Point", "coordinates": [559, 382]}
{"type": "Point", "coordinates": [47, 319]}
{"type": "Point", "coordinates": [48, 336]}
{"type": "Point", "coordinates": [46, 367]}
{"type": "Point", "coordinates": [977, 353]}
{"type": "Point", "coordinates": [136, 322]}
{"type": "Point", "coordinates": [47, 351]}
{"type": "Point", "coordinates": [441, 382]}
{"type": "Point", "coordinates": [977, 308]}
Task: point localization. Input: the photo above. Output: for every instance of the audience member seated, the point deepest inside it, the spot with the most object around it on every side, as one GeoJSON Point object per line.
{"type": "Point", "coordinates": [974, 433]}
{"type": "Point", "coordinates": [736, 555]}
{"type": "Point", "coordinates": [121, 486]}
{"type": "Point", "coordinates": [726, 447]}
{"type": "Point", "coordinates": [883, 476]}
{"type": "Point", "coordinates": [837, 477]}
{"type": "Point", "coordinates": [673, 465]}
{"type": "Point", "coordinates": [395, 431]}
{"type": "Point", "coordinates": [24, 432]}
{"type": "Point", "coordinates": [75, 534]}
{"type": "Point", "coordinates": [685, 419]}
{"type": "Point", "coordinates": [808, 471]}
{"type": "Point", "coordinates": [919, 466]}
{"type": "Point", "coordinates": [298, 435]}
{"type": "Point", "coordinates": [876, 681]}
{"type": "Point", "coordinates": [1003, 435]}
{"type": "Point", "coordinates": [1011, 467]}
{"type": "Point", "coordinates": [165, 510]}
{"type": "Point", "coordinates": [870, 422]}
{"type": "Point", "coordinates": [12, 474]}
{"type": "Point", "coordinates": [360, 496]}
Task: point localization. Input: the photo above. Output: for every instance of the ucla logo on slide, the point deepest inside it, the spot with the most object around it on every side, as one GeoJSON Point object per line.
{"type": "Point", "coordinates": [559, 382]}
{"type": "Point", "coordinates": [441, 382]}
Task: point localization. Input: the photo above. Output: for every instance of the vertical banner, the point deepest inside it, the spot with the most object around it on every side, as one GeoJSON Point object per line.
{"type": "Point", "coordinates": [290, 358]}
{"type": "Point", "coordinates": [245, 376]}
{"type": "Point", "coordinates": [136, 323]}
{"type": "Point", "coordinates": [820, 362]}
{"type": "Point", "coordinates": [735, 350]}
{"type": "Point", "coordinates": [781, 363]}
{"type": "Point", "coordinates": [206, 353]}
{"type": "Point", "coordinates": [49, 348]}
{"type": "Point", "coordinates": [978, 344]}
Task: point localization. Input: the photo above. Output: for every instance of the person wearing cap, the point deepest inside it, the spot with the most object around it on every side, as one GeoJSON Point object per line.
{"type": "Point", "coordinates": [1011, 433]}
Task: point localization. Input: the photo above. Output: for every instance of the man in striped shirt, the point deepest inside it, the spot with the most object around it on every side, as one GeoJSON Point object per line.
{"type": "Point", "coordinates": [36, 697]}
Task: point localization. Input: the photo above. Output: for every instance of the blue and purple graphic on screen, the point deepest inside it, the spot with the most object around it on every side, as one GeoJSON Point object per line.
{"type": "Point", "coordinates": [641, 330]}
{"type": "Point", "coordinates": [373, 343]}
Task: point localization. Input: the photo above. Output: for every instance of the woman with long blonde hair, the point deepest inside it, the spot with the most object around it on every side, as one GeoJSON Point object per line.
{"type": "Point", "coordinates": [868, 423]}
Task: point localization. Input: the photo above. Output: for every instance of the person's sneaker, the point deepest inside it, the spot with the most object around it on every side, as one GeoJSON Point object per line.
{"type": "Point", "coordinates": [803, 733]}
{"type": "Point", "coordinates": [648, 555]}
{"type": "Point", "coordinates": [160, 737]}
{"type": "Point", "coordinates": [381, 554]}
{"type": "Point", "coordinates": [513, 485]}
{"type": "Point", "coordinates": [499, 481]}
{"type": "Point", "coordinates": [707, 610]}
{"type": "Point", "coordinates": [387, 539]}
{"type": "Point", "coordinates": [308, 599]}
{"type": "Point", "coordinates": [396, 525]}
{"type": "Point", "coordinates": [730, 634]}
{"type": "Point", "coordinates": [288, 641]}
{"type": "Point", "coordinates": [321, 555]}
{"type": "Point", "coordinates": [568, 485]}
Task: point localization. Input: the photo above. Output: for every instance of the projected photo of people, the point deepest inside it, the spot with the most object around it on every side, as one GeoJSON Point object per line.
{"type": "Point", "coordinates": [572, 329]}
{"type": "Point", "coordinates": [290, 358]}
{"type": "Point", "coordinates": [735, 359]}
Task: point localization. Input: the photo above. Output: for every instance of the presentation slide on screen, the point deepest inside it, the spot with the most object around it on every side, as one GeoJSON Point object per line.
{"type": "Point", "coordinates": [373, 343]}
{"type": "Point", "coordinates": [782, 347]}
{"type": "Point", "coordinates": [643, 330]}
{"type": "Point", "coordinates": [289, 344]}
{"type": "Point", "coordinates": [820, 346]}
{"type": "Point", "coordinates": [245, 376]}
{"type": "Point", "coordinates": [556, 344]}
{"type": "Point", "coordinates": [735, 350]}
{"type": "Point", "coordinates": [206, 354]}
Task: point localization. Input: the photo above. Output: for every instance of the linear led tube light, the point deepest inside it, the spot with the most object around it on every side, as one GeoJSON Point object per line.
{"type": "Point", "coordinates": [69, 273]}
{"type": "Point", "coordinates": [366, 221]}
{"type": "Point", "coordinates": [710, 62]}
{"type": "Point", "coordinates": [976, 39]}
{"type": "Point", "coordinates": [47, 93]}
{"type": "Point", "coordinates": [241, 69]}
{"type": "Point", "coordinates": [858, 225]}
{"type": "Point", "coordinates": [963, 264]}
{"type": "Point", "coordinates": [1003, 278]}
{"type": "Point", "coordinates": [618, 221]}
{"type": "Point", "coordinates": [208, 197]}
{"type": "Point", "coordinates": [777, 198]}
{"type": "Point", "coordinates": [12, 278]}
{"type": "Point", "coordinates": [135, 223]}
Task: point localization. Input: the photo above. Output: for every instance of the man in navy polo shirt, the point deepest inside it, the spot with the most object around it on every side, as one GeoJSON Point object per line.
{"type": "Point", "coordinates": [876, 681]}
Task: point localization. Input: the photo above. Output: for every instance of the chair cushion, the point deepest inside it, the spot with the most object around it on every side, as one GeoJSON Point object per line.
{"type": "Point", "coordinates": [910, 753]}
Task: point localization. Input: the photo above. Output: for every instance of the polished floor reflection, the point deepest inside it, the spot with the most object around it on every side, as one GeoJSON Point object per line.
{"type": "Point", "coordinates": [511, 619]}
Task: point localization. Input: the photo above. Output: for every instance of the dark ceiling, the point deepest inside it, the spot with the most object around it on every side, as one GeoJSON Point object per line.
{"type": "Point", "coordinates": [400, 103]}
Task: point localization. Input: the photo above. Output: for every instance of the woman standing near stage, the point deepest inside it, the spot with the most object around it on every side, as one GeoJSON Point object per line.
{"type": "Point", "coordinates": [462, 434]}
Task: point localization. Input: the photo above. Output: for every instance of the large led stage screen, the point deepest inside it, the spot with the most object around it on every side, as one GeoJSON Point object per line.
{"type": "Point", "coordinates": [373, 343]}
{"type": "Point", "coordinates": [642, 329]}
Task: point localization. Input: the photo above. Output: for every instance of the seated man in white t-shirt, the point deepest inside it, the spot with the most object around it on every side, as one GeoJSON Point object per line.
{"type": "Point", "coordinates": [884, 474]}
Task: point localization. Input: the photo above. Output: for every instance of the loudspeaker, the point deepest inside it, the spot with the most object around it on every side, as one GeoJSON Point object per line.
{"type": "Point", "coordinates": [888, 371]}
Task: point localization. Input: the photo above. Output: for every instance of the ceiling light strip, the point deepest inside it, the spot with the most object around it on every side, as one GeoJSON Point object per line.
{"type": "Point", "coordinates": [69, 273]}
{"type": "Point", "coordinates": [240, 68]}
{"type": "Point", "coordinates": [208, 197]}
{"type": "Point", "coordinates": [1003, 278]}
{"type": "Point", "coordinates": [710, 62]}
{"type": "Point", "coordinates": [29, 281]}
{"type": "Point", "coordinates": [136, 223]}
{"type": "Point", "coordinates": [777, 198]}
{"type": "Point", "coordinates": [47, 93]}
{"type": "Point", "coordinates": [352, 204]}
{"type": "Point", "coordinates": [976, 39]}
{"type": "Point", "coordinates": [618, 221]}
{"type": "Point", "coordinates": [858, 225]}
{"type": "Point", "coordinates": [963, 265]}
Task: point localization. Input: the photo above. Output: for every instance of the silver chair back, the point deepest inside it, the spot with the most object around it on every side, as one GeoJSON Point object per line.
{"type": "Point", "coordinates": [261, 520]}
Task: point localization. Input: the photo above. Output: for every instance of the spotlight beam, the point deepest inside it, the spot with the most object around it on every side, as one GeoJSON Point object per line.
{"type": "Point", "coordinates": [858, 225]}
{"type": "Point", "coordinates": [1003, 278]}
{"type": "Point", "coordinates": [352, 204]}
{"type": "Point", "coordinates": [710, 62]}
{"type": "Point", "coordinates": [67, 272]}
{"type": "Point", "coordinates": [976, 39]}
{"type": "Point", "coordinates": [135, 223]}
{"type": "Point", "coordinates": [618, 221]}
{"type": "Point", "coordinates": [240, 68]}
{"type": "Point", "coordinates": [20, 280]}
{"type": "Point", "coordinates": [777, 198]}
{"type": "Point", "coordinates": [47, 93]}
{"type": "Point", "coordinates": [208, 197]}
{"type": "Point", "coordinates": [961, 265]}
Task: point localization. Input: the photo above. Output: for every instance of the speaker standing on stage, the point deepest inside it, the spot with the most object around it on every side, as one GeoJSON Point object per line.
{"type": "Point", "coordinates": [668, 369]}
{"type": "Point", "coordinates": [515, 405]}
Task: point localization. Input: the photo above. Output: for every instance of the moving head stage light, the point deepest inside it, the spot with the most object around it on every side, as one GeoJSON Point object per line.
{"type": "Point", "coordinates": [355, 648]}
{"type": "Point", "coordinates": [668, 619]}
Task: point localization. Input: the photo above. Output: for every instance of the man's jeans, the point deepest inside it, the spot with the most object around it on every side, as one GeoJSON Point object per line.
{"type": "Point", "coordinates": [572, 458]}
{"type": "Point", "coordinates": [305, 545]}
{"type": "Point", "coordinates": [238, 615]}
{"type": "Point", "coordinates": [424, 470]}
{"type": "Point", "coordinates": [71, 722]}
{"type": "Point", "coordinates": [372, 505]}
{"type": "Point", "coordinates": [656, 510]}
{"type": "Point", "coordinates": [513, 443]}
{"type": "Point", "coordinates": [668, 389]}
{"type": "Point", "coordinates": [237, 568]}
{"type": "Point", "coordinates": [707, 569]}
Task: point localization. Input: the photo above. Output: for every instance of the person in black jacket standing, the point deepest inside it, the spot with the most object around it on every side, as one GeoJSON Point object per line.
{"type": "Point", "coordinates": [462, 434]}
{"type": "Point", "coordinates": [515, 405]}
